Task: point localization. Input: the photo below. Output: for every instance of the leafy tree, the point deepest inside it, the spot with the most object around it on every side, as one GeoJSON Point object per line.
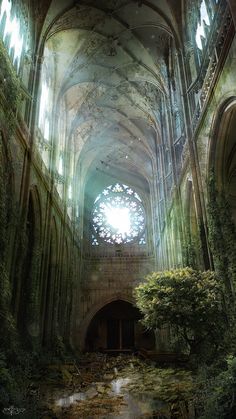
{"type": "Point", "coordinates": [190, 302]}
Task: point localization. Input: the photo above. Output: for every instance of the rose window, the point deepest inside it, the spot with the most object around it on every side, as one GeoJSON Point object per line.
{"type": "Point", "coordinates": [118, 216]}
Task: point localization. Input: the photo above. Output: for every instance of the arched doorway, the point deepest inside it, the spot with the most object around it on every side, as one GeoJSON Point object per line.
{"type": "Point", "coordinates": [223, 153]}
{"type": "Point", "coordinates": [49, 309]}
{"type": "Point", "coordinates": [116, 327]}
{"type": "Point", "coordinates": [28, 318]}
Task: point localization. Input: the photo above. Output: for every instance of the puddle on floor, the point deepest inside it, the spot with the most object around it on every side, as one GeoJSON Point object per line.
{"type": "Point", "coordinates": [119, 384]}
{"type": "Point", "coordinates": [123, 387]}
{"type": "Point", "coordinates": [138, 406]}
{"type": "Point", "coordinates": [131, 407]}
{"type": "Point", "coordinates": [69, 400]}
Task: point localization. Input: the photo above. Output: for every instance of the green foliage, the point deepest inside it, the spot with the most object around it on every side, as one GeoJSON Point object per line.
{"type": "Point", "coordinates": [16, 376]}
{"type": "Point", "coordinates": [8, 334]}
{"type": "Point", "coordinates": [222, 237]}
{"type": "Point", "coordinates": [215, 395]}
{"type": "Point", "coordinates": [191, 245]}
{"type": "Point", "coordinates": [10, 85]}
{"type": "Point", "coordinates": [190, 302]}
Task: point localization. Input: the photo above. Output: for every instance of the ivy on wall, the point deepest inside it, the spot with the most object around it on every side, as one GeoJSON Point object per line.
{"type": "Point", "coordinates": [10, 90]}
{"type": "Point", "coordinates": [222, 238]}
{"type": "Point", "coordinates": [8, 330]}
{"type": "Point", "coordinates": [191, 247]}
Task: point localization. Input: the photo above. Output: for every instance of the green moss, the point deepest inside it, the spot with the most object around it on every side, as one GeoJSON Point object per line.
{"type": "Point", "coordinates": [222, 237]}
{"type": "Point", "coordinates": [10, 90]}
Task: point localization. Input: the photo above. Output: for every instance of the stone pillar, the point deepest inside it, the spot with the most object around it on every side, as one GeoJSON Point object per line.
{"type": "Point", "coordinates": [232, 5]}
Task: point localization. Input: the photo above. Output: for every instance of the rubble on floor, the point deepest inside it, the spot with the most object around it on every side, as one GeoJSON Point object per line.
{"type": "Point", "coordinates": [103, 387]}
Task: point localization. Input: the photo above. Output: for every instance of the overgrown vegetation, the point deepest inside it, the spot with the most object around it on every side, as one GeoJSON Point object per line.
{"type": "Point", "coordinates": [10, 94]}
{"type": "Point", "coordinates": [200, 309]}
{"type": "Point", "coordinates": [222, 236]}
{"type": "Point", "coordinates": [215, 390]}
{"type": "Point", "coordinates": [192, 304]}
{"type": "Point", "coordinates": [189, 302]}
{"type": "Point", "coordinates": [8, 332]}
{"type": "Point", "coordinates": [20, 359]}
{"type": "Point", "coordinates": [217, 383]}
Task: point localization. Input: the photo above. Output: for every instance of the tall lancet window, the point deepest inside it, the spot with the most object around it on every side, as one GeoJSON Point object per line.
{"type": "Point", "coordinates": [203, 21]}
{"type": "Point", "coordinates": [13, 30]}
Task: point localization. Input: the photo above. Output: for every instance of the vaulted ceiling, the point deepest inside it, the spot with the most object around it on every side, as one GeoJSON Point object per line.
{"type": "Point", "coordinates": [109, 61]}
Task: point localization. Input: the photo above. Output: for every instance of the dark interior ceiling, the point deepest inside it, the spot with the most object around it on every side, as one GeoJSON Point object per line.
{"type": "Point", "coordinates": [109, 65]}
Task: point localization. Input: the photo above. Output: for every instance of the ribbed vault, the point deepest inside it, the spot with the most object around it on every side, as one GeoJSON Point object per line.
{"type": "Point", "coordinates": [109, 61]}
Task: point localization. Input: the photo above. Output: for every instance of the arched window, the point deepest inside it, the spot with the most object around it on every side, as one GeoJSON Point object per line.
{"type": "Point", "coordinates": [13, 31]}
{"type": "Point", "coordinates": [203, 21]}
{"type": "Point", "coordinates": [61, 168]}
{"type": "Point", "coordinates": [61, 165]}
{"type": "Point", "coordinates": [43, 110]}
{"type": "Point", "coordinates": [118, 217]}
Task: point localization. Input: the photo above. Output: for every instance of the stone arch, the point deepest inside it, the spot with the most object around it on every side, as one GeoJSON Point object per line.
{"type": "Point", "coordinates": [222, 151]}
{"type": "Point", "coordinates": [29, 301]}
{"type": "Point", "coordinates": [37, 209]}
{"type": "Point", "coordinates": [6, 188]}
{"type": "Point", "coordinates": [95, 309]}
{"type": "Point", "coordinates": [116, 327]}
{"type": "Point", "coordinates": [64, 291]}
{"type": "Point", "coordinates": [50, 288]}
{"type": "Point", "coordinates": [34, 320]}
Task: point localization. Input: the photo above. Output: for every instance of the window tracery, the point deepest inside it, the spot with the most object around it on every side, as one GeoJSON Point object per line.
{"type": "Point", "coordinates": [203, 21]}
{"type": "Point", "coordinates": [13, 31]}
{"type": "Point", "coordinates": [118, 217]}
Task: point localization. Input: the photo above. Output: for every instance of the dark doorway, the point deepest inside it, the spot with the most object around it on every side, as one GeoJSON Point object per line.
{"type": "Point", "coordinates": [120, 334]}
{"type": "Point", "coordinates": [116, 327]}
{"type": "Point", "coordinates": [127, 334]}
{"type": "Point", "coordinates": [113, 334]}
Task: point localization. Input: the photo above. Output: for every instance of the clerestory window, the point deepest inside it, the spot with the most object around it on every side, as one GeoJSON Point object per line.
{"type": "Point", "coordinates": [13, 31]}
{"type": "Point", "coordinates": [43, 112]}
{"type": "Point", "coordinates": [204, 20]}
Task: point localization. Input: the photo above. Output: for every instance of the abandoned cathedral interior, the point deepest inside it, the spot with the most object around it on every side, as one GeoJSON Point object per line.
{"type": "Point", "coordinates": [118, 209]}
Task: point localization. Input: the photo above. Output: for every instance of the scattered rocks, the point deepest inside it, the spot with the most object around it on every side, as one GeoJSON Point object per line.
{"type": "Point", "coordinates": [91, 393]}
{"type": "Point", "coordinates": [108, 377]}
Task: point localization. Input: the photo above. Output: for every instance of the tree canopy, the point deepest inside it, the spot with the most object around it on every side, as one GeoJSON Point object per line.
{"type": "Point", "coordinates": [189, 301]}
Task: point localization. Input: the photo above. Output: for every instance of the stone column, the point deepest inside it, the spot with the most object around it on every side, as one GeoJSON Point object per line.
{"type": "Point", "coordinates": [232, 5]}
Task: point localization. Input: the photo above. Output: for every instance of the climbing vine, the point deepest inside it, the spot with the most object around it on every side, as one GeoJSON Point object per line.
{"type": "Point", "coordinates": [8, 330]}
{"type": "Point", "coordinates": [191, 246]}
{"type": "Point", "coordinates": [10, 91]}
{"type": "Point", "coordinates": [222, 238]}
